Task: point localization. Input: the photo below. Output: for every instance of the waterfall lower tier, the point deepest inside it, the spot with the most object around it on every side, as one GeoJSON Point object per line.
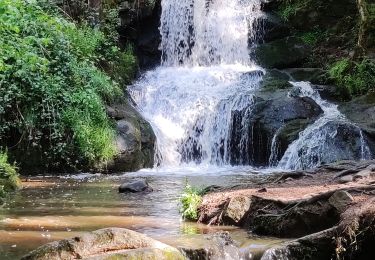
{"type": "Point", "coordinates": [203, 100]}
{"type": "Point", "coordinates": [330, 138]}
{"type": "Point", "coordinates": [199, 114]}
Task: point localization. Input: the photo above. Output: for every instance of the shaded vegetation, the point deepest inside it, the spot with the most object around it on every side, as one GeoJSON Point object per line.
{"type": "Point", "coordinates": [9, 180]}
{"type": "Point", "coordinates": [56, 77]}
{"type": "Point", "coordinates": [353, 78]}
{"type": "Point", "coordinates": [290, 8]}
{"type": "Point", "coordinates": [341, 36]}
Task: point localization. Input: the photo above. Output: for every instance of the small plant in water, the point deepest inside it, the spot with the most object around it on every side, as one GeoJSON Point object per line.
{"type": "Point", "coordinates": [190, 200]}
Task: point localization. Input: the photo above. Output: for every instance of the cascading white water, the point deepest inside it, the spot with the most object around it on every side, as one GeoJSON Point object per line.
{"type": "Point", "coordinates": [206, 78]}
{"type": "Point", "coordinates": [317, 143]}
{"type": "Point", "coordinates": [206, 33]}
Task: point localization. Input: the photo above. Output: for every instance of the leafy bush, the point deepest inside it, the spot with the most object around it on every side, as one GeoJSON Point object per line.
{"type": "Point", "coordinates": [353, 78]}
{"type": "Point", "coordinates": [9, 180]}
{"type": "Point", "coordinates": [53, 94]}
{"type": "Point", "coordinates": [190, 200]}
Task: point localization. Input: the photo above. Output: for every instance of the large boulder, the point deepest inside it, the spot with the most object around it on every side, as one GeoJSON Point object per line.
{"type": "Point", "coordinates": [283, 53]}
{"type": "Point", "coordinates": [135, 139]}
{"type": "Point", "coordinates": [330, 141]}
{"type": "Point", "coordinates": [110, 243]}
{"type": "Point", "coordinates": [135, 186]}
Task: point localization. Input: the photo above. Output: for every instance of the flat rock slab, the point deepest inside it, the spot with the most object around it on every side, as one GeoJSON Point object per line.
{"type": "Point", "coordinates": [110, 243]}
{"type": "Point", "coordinates": [135, 186]}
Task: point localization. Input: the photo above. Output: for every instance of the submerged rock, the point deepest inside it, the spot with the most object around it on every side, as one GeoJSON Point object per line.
{"type": "Point", "coordinates": [135, 139]}
{"type": "Point", "coordinates": [135, 186]}
{"type": "Point", "coordinates": [110, 243]}
{"type": "Point", "coordinates": [217, 246]}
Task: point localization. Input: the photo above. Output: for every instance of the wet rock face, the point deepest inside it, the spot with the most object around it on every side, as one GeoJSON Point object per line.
{"type": "Point", "coordinates": [135, 139]}
{"type": "Point", "coordinates": [282, 53]}
{"type": "Point", "coordinates": [361, 111]}
{"type": "Point", "coordinates": [275, 111]}
{"type": "Point", "coordinates": [140, 25]}
{"type": "Point", "coordinates": [273, 28]}
{"type": "Point", "coordinates": [111, 243]}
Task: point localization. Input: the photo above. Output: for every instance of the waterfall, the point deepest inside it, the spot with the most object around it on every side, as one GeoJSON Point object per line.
{"type": "Point", "coordinates": [200, 100]}
{"type": "Point", "coordinates": [317, 144]}
{"type": "Point", "coordinates": [205, 81]}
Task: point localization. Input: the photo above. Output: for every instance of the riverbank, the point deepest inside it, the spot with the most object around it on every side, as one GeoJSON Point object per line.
{"type": "Point", "coordinates": [51, 208]}
{"type": "Point", "coordinates": [329, 210]}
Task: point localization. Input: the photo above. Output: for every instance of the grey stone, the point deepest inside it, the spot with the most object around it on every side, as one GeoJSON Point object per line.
{"type": "Point", "coordinates": [135, 186]}
{"type": "Point", "coordinates": [346, 179]}
{"type": "Point", "coordinates": [340, 200]}
{"type": "Point", "coordinates": [236, 210]}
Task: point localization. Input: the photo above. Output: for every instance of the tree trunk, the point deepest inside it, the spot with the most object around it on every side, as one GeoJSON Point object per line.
{"type": "Point", "coordinates": [361, 48]}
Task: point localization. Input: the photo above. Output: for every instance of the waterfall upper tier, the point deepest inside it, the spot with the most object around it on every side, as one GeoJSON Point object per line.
{"type": "Point", "coordinates": [204, 33]}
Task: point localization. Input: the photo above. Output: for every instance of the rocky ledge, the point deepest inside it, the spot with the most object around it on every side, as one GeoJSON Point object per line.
{"type": "Point", "coordinates": [330, 210]}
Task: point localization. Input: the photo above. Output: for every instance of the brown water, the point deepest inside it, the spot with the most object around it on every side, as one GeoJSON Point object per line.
{"type": "Point", "coordinates": [53, 208]}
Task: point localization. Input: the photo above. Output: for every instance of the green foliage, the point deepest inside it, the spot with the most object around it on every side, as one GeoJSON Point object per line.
{"type": "Point", "coordinates": [289, 8]}
{"type": "Point", "coordinates": [54, 87]}
{"type": "Point", "coordinates": [190, 200]}
{"type": "Point", "coordinates": [9, 179]}
{"type": "Point", "coordinates": [353, 78]}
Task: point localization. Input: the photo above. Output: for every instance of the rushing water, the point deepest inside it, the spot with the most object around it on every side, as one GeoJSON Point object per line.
{"type": "Point", "coordinates": [318, 143]}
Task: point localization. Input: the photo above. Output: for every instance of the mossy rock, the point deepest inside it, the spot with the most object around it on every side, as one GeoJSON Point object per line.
{"type": "Point", "coordinates": [288, 52]}
{"type": "Point", "coordinates": [313, 75]}
{"type": "Point", "coordinates": [275, 79]}
{"type": "Point", "coordinates": [135, 139]}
